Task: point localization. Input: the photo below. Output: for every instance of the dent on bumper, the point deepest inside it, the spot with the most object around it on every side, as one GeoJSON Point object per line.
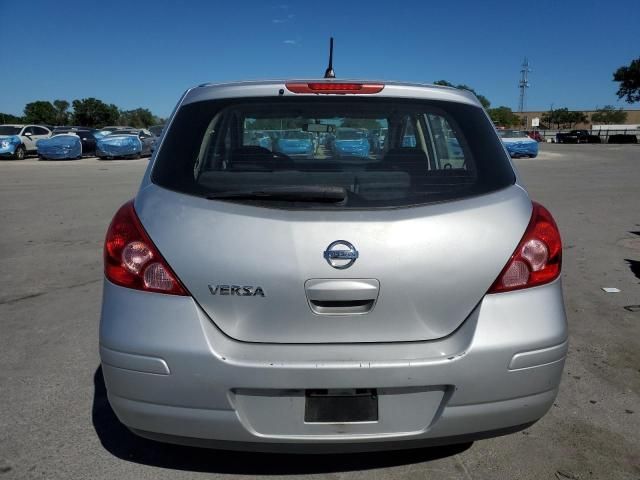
{"type": "Point", "coordinates": [170, 371]}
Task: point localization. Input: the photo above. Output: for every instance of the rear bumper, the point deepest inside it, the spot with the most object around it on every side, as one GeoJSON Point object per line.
{"type": "Point", "coordinates": [172, 375]}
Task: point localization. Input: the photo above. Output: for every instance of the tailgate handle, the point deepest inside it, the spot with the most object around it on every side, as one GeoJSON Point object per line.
{"type": "Point", "coordinates": [342, 296]}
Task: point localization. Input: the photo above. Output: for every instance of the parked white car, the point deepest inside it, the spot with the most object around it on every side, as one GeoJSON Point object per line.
{"type": "Point", "coordinates": [17, 141]}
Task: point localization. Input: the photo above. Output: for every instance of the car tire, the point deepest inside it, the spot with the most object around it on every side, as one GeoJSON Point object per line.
{"type": "Point", "coordinates": [20, 153]}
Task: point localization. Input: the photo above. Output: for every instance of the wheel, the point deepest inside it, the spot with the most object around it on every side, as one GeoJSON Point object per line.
{"type": "Point", "coordinates": [20, 153]}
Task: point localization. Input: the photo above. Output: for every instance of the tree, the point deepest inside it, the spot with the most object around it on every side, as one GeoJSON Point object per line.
{"type": "Point", "coordinates": [629, 79]}
{"type": "Point", "coordinates": [9, 118]}
{"type": "Point", "coordinates": [139, 118]}
{"type": "Point", "coordinates": [608, 115]}
{"type": "Point", "coordinates": [481, 98]}
{"type": "Point", "coordinates": [504, 117]}
{"type": "Point", "coordinates": [576, 117]}
{"type": "Point", "coordinates": [91, 112]}
{"type": "Point", "coordinates": [40, 111]}
{"type": "Point", "coordinates": [563, 118]}
{"type": "Point", "coordinates": [62, 113]}
{"type": "Point", "coordinates": [557, 117]}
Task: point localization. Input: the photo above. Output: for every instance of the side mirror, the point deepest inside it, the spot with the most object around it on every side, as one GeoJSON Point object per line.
{"type": "Point", "coordinates": [27, 134]}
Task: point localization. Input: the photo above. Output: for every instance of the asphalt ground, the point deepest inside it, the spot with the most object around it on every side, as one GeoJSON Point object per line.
{"type": "Point", "coordinates": [55, 421]}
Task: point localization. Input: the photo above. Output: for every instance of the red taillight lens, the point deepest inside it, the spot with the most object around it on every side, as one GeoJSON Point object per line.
{"type": "Point", "coordinates": [333, 87]}
{"type": "Point", "coordinates": [132, 260]}
{"type": "Point", "coordinates": [538, 258]}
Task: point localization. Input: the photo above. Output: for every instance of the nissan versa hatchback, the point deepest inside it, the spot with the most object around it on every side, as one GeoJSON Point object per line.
{"type": "Point", "coordinates": [400, 296]}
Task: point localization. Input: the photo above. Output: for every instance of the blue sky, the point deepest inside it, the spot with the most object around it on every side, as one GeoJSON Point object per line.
{"type": "Point", "coordinates": [146, 53]}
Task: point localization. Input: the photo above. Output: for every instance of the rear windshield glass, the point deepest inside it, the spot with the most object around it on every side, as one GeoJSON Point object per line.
{"type": "Point", "coordinates": [380, 152]}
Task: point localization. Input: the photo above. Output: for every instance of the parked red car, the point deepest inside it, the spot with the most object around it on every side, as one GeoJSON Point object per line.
{"type": "Point", "coordinates": [535, 134]}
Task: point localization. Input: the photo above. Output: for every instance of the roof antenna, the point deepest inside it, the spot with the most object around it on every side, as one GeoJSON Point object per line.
{"type": "Point", "coordinates": [329, 73]}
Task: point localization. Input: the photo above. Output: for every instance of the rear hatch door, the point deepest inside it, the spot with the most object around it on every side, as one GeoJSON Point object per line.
{"type": "Point", "coordinates": [262, 275]}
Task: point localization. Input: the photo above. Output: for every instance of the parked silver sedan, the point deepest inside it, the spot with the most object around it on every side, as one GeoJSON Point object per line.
{"type": "Point", "coordinates": [255, 300]}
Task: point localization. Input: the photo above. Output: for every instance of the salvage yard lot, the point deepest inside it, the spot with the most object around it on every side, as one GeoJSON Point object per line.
{"type": "Point", "coordinates": [55, 421]}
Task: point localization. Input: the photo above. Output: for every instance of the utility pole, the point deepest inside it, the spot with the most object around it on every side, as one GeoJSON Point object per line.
{"type": "Point", "coordinates": [523, 84]}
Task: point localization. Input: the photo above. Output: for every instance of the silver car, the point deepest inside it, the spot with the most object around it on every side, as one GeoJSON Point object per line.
{"type": "Point", "coordinates": [257, 301]}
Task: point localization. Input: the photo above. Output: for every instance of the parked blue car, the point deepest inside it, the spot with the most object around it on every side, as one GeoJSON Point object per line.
{"type": "Point", "coordinates": [126, 143]}
{"type": "Point", "coordinates": [258, 138]}
{"type": "Point", "coordinates": [295, 143]}
{"type": "Point", "coordinates": [66, 146]}
{"type": "Point", "coordinates": [9, 144]}
{"type": "Point", "coordinates": [409, 141]}
{"type": "Point", "coordinates": [350, 142]}
{"type": "Point", "coordinates": [518, 143]}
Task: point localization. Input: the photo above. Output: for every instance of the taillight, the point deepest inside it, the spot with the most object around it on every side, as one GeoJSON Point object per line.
{"type": "Point", "coordinates": [132, 260]}
{"type": "Point", "coordinates": [334, 87]}
{"type": "Point", "coordinates": [538, 258]}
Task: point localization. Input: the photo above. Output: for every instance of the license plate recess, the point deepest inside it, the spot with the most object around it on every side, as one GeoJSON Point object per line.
{"type": "Point", "coordinates": [341, 405]}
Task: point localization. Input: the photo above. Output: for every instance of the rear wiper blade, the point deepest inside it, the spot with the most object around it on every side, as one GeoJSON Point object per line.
{"type": "Point", "coordinates": [294, 193]}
